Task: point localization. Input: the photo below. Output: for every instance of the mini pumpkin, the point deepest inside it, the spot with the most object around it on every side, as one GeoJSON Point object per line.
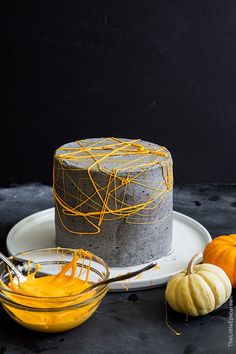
{"type": "Point", "coordinates": [222, 252]}
{"type": "Point", "coordinates": [199, 289]}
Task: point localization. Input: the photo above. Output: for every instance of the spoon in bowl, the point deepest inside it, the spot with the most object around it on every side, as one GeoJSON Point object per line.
{"type": "Point", "coordinates": [20, 277]}
{"type": "Point", "coordinates": [120, 277]}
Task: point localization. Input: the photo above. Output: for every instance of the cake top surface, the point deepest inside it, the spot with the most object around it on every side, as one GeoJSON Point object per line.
{"type": "Point", "coordinates": [112, 154]}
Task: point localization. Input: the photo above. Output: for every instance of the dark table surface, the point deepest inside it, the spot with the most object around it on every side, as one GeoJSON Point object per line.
{"type": "Point", "coordinates": [129, 322]}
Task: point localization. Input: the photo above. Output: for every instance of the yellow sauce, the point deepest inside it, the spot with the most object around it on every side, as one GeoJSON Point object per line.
{"type": "Point", "coordinates": [48, 292]}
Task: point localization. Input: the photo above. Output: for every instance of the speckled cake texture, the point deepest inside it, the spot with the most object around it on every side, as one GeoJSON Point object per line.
{"type": "Point", "coordinates": [113, 197]}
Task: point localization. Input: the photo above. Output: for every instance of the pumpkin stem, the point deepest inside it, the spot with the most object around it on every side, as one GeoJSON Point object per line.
{"type": "Point", "coordinates": [197, 258]}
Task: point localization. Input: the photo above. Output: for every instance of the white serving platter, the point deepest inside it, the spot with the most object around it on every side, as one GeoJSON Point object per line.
{"type": "Point", "coordinates": [189, 238]}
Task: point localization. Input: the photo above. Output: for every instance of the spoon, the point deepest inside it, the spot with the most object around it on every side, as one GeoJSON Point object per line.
{"type": "Point", "coordinates": [120, 277]}
{"type": "Point", "coordinates": [20, 277]}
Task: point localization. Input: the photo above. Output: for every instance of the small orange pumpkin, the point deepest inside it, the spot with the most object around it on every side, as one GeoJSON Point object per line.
{"type": "Point", "coordinates": [222, 252]}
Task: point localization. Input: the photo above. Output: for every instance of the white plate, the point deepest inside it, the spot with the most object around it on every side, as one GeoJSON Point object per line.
{"type": "Point", "coordinates": [189, 238]}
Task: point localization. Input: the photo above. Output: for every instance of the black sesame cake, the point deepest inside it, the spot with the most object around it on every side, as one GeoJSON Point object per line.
{"type": "Point", "coordinates": [113, 197]}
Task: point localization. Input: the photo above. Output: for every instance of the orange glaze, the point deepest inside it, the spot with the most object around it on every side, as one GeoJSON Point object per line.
{"type": "Point", "coordinates": [47, 292]}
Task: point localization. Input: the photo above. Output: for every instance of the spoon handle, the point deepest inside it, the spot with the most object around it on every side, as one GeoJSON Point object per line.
{"type": "Point", "coordinates": [121, 277]}
{"type": "Point", "coordinates": [11, 266]}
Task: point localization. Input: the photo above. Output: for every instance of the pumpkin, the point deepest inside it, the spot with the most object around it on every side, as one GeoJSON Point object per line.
{"type": "Point", "coordinates": [199, 289]}
{"type": "Point", "coordinates": [222, 252]}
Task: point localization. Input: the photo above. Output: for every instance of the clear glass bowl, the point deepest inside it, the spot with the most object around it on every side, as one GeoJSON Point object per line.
{"type": "Point", "coordinates": [53, 314]}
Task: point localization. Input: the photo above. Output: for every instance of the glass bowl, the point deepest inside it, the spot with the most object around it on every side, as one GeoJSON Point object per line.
{"type": "Point", "coordinates": [55, 313]}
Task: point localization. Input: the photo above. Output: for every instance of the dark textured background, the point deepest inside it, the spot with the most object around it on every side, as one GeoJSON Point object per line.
{"type": "Point", "coordinates": [160, 70]}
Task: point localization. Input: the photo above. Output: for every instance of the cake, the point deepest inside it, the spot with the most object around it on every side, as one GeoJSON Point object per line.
{"type": "Point", "coordinates": [113, 197]}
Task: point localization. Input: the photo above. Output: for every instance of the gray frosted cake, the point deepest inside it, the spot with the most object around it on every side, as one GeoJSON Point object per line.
{"type": "Point", "coordinates": [113, 197]}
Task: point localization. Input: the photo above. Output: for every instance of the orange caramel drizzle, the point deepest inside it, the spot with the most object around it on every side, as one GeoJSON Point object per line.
{"type": "Point", "coordinates": [53, 291]}
{"type": "Point", "coordinates": [65, 283]}
{"type": "Point", "coordinates": [119, 180]}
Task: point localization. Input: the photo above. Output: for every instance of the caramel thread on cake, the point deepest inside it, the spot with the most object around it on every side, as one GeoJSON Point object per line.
{"type": "Point", "coordinates": [100, 210]}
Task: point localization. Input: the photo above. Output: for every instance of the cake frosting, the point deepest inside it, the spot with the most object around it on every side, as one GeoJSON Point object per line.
{"type": "Point", "coordinates": [113, 197]}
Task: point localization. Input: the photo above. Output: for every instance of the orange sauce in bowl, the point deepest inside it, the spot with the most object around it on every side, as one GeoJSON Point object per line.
{"type": "Point", "coordinates": [52, 292]}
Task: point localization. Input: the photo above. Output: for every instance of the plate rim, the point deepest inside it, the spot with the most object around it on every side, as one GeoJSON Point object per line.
{"type": "Point", "coordinates": [49, 211]}
{"type": "Point", "coordinates": [137, 284]}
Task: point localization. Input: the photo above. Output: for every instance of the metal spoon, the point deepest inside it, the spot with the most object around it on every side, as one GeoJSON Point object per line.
{"type": "Point", "coordinates": [21, 278]}
{"type": "Point", "coordinates": [120, 277]}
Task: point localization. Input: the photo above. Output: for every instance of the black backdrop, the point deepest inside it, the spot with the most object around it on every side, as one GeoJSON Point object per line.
{"type": "Point", "coordinates": [160, 70]}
